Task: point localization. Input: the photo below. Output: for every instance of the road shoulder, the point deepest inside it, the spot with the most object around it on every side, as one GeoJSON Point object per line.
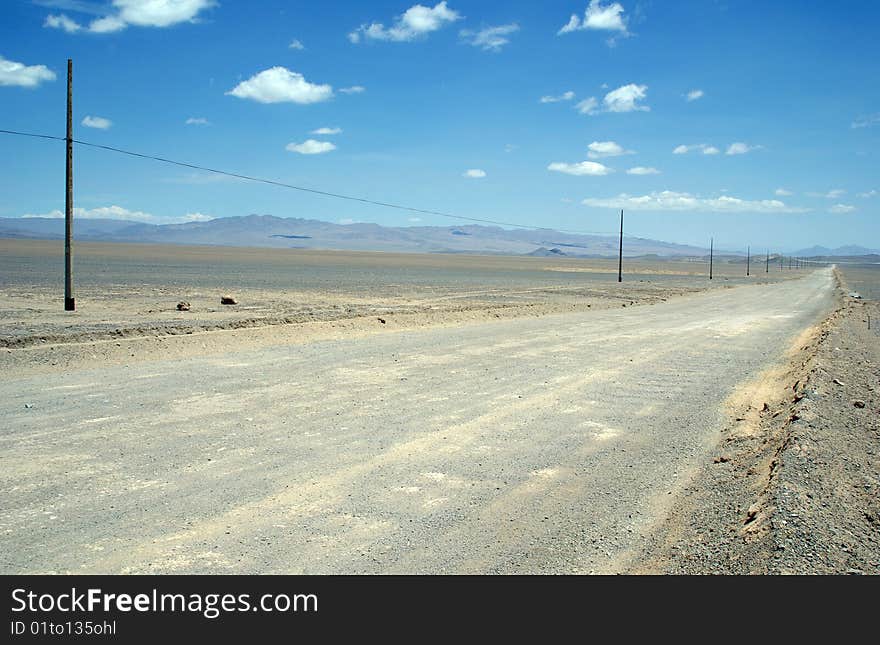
{"type": "Point", "coordinates": [793, 484]}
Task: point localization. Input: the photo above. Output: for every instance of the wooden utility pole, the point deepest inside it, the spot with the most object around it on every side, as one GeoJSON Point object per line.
{"type": "Point", "coordinates": [748, 259]}
{"type": "Point", "coordinates": [711, 250]}
{"type": "Point", "coordinates": [620, 255]}
{"type": "Point", "coordinates": [69, 300]}
{"type": "Point", "coordinates": [767, 269]}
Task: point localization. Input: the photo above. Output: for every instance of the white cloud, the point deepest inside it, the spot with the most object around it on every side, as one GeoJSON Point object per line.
{"type": "Point", "coordinates": [599, 149]}
{"type": "Point", "coordinates": [160, 13]}
{"type": "Point", "coordinates": [490, 38]}
{"type": "Point", "coordinates": [642, 170]}
{"type": "Point", "coordinates": [345, 221]}
{"type": "Point", "coordinates": [693, 95]}
{"type": "Point", "coordinates": [61, 21]}
{"type": "Point", "coordinates": [197, 120]}
{"type": "Point", "coordinates": [120, 213]}
{"type": "Point", "coordinates": [510, 147]}
{"type": "Point", "coordinates": [296, 44]}
{"type": "Point", "coordinates": [581, 168]}
{"type": "Point", "coordinates": [140, 13]}
{"type": "Point", "coordinates": [866, 121]}
{"type": "Point", "coordinates": [702, 147]}
{"type": "Point", "coordinates": [565, 96]}
{"type": "Point", "coordinates": [870, 193]}
{"type": "Point", "coordinates": [415, 22]}
{"type": "Point", "coordinates": [587, 106]}
{"type": "Point", "coordinates": [840, 209]}
{"type": "Point", "coordinates": [107, 25]}
{"type": "Point", "coordinates": [625, 98]}
{"type": "Point", "coordinates": [474, 173]}
{"type": "Point", "coordinates": [782, 192]}
{"type": "Point", "coordinates": [740, 148]}
{"type": "Point", "coordinates": [668, 200]}
{"type": "Point", "coordinates": [327, 131]}
{"type": "Point", "coordinates": [311, 147]}
{"type": "Point", "coordinates": [97, 122]}
{"type": "Point", "coordinates": [414, 220]}
{"type": "Point", "coordinates": [607, 18]}
{"type": "Point", "coordinates": [13, 73]}
{"type": "Point", "coordinates": [354, 89]}
{"type": "Point", "coordinates": [279, 85]}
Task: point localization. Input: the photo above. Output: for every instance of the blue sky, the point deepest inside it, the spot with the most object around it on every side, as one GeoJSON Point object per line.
{"type": "Point", "coordinates": [754, 122]}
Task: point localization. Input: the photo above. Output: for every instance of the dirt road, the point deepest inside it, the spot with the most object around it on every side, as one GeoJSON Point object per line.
{"type": "Point", "coordinates": [537, 445]}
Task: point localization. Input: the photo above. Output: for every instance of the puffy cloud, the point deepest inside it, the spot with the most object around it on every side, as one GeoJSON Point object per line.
{"type": "Point", "coordinates": [625, 98]}
{"type": "Point", "coordinates": [295, 44]}
{"type": "Point", "coordinates": [490, 38]}
{"type": "Point", "coordinates": [607, 18]}
{"type": "Point", "coordinates": [415, 22]}
{"type": "Point", "coordinates": [327, 131]}
{"type": "Point", "coordinates": [565, 96]}
{"type": "Point", "coordinates": [62, 22]}
{"type": "Point", "coordinates": [120, 213]}
{"type": "Point", "coordinates": [668, 200]}
{"type": "Point", "coordinates": [13, 73]}
{"type": "Point", "coordinates": [140, 13]}
{"type": "Point", "coordinates": [311, 147]}
{"type": "Point", "coordinates": [587, 106]}
{"type": "Point", "coordinates": [869, 193]}
{"type": "Point", "coordinates": [581, 168]}
{"type": "Point", "coordinates": [474, 173]}
{"type": "Point", "coordinates": [97, 122]}
{"type": "Point", "coordinates": [782, 192]}
{"type": "Point", "coordinates": [197, 120]}
{"type": "Point", "coordinates": [280, 85]}
{"type": "Point", "coordinates": [693, 95]}
{"type": "Point", "coordinates": [642, 170]}
{"type": "Point", "coordinates": [740, 148]}
{"type": "Point", "coordinates": [840, 209]}
{"type": "Point", "coordinates": [702, 147]}
{"type": "Point", "coordinates": [160, 13]}
{"type": "Point", "coordinates": [599, 149]}
{"type": "Point", "coordinates": [354, 89]}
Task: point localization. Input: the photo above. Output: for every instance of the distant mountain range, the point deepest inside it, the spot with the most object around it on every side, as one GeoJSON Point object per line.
{"type": "Point", "coordinates": [840, 251]}
{"type": "Point", "coordinates": [284, 232]}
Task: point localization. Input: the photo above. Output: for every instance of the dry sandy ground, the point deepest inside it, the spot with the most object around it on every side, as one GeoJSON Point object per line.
{"type": "Point", "coordinates": [794, 488]}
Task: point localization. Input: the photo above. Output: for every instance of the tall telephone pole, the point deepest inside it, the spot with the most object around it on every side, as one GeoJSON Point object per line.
{"type": "Point", "coordinates": [748, 259]}
{"type": "Point", "coordinates": [767, 268]}
{"type": "Point", "coordinates": [69, 300]}
{"type": "Point", "coordinates": [620, 256]}
{"type": "Point", "coordinates": [711, 249]}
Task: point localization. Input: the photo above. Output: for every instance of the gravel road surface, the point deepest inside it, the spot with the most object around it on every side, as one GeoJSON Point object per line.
{"type": "Point", "coordinates": [547, 445]}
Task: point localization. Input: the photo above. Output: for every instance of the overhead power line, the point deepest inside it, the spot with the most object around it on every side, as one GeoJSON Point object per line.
{"type": "Point", "coordinates": [314, 191]}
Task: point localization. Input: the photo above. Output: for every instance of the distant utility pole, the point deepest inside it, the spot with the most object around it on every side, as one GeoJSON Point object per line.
{"type": "Point", "coordinates": [748, 259]}
{"type": "Point", "coordinates": [767, 269]}
{"type": "Point", "coordinates": [69, 301]}
{"type": "Point", "coordinates": [620, 256]}
{"type": "Point", "coordinates": [789, 262]}
{"type": "Point", "coordinates": [711, 250]}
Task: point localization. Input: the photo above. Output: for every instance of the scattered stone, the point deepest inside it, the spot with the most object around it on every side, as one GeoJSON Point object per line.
{"type": "Point", "coordinates": [721, 459]}
{"type": "Point", "coordinates": [766, 408]}
{"type": "Point", "coordinates": [859, 404]}
{"type": "Point", "coordinates": [837, 382]}
{"type": "Point", "coordinates": [28, 405]}
{"type": "Point", "coordinates": [381, 320]}
{"type": "Point", "coordinates": [228, 300]}
{"type": "Point", "coordinates": [183, 305]}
